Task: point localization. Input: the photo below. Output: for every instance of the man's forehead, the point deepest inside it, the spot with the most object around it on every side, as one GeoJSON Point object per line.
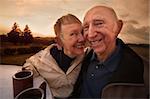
{"type": "Point", "coordinates": [99, 12]}
{"type": "Point", "coordinates": [96, 15]}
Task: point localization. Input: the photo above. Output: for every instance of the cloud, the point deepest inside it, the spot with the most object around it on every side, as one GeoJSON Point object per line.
{"type": "Point", "coordinates": [124, 15]}
{"type": "Point", "coordinates": [132, 34]}
{"type": "Point", "coordinates": [132, 10]}
{"type": "Point", "coordinates": [131, 22]}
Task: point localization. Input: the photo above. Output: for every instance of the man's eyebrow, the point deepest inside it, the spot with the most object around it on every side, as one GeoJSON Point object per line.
{"type": "Point", "coordinates": [98, 20]}
{"type": "Point", "coordinates": [95, 20]}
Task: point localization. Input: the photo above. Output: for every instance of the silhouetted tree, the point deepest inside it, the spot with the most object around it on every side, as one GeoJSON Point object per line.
{"type": "Point", "coordinates": [3, 38]}
{"type": "Point", "coordinates": [13, 35]}
{"type": "Point", "coordinates": [27, 35]}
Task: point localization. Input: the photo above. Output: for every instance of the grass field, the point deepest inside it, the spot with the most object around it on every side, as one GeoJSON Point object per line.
{"type": "Point", "coordinates": [20, 59]}
{"type": "Point", "coordinates": [15, 60]}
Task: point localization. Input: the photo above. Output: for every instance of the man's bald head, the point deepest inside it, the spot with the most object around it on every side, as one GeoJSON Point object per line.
{"type": "Point", "coordinates": [102, 9]}
{"type": "Point", "coordinates": [101, 28]}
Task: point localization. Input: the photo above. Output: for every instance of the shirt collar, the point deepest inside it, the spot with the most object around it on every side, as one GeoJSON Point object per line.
{"type": "Point", "coordinates": [112, 62]}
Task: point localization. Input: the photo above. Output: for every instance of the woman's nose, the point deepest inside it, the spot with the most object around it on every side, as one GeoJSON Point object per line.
{"type": "Point", "coordinates": [81, 38]}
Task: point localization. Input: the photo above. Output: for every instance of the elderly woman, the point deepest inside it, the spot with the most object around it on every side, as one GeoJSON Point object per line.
{"type": "Point", "coordinates": [60, 63]}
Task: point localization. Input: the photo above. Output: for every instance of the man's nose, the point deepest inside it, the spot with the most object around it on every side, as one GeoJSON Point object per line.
{"type": "Point", "coordinates": [91, 31]}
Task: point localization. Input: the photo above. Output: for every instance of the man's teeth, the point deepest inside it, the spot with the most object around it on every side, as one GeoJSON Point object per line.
{"type": "Point", "coordinates": [95, 42]}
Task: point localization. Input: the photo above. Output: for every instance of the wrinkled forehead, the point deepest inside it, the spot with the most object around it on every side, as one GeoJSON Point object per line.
{"type": "Point", "coordinates": [100, 13]}
{"type": "Point", "coordinates": [71, 28]}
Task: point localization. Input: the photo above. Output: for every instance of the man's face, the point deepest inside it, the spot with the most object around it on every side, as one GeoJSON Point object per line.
{"type": "Point", "coordinates": [72, 39]}
{"type": "Point", "coordinates": [99, 27]}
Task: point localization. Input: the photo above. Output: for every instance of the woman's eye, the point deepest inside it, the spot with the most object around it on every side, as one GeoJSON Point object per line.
{"type": "Point", "coordinates": [72, 34]}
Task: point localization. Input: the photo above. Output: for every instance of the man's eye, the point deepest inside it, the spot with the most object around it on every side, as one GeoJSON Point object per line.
{"type": "Point", "coordinates": [85, 28]}
{"type": "Point", "coordinates": [98, 23]}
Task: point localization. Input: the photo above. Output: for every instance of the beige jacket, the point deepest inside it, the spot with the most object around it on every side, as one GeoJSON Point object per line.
{"type": "Point", "coordinates": [60, 83]}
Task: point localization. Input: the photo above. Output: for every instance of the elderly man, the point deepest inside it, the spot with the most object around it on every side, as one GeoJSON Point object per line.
{"type": "Point", "coordinates": [112, 69]}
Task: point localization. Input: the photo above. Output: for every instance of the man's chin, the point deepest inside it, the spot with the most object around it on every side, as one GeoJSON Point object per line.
{"type": "Point", "coordinates": [98, 50]}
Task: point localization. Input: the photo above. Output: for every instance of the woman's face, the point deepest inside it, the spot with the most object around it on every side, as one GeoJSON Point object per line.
{"type": "Point", "coordinates": [72, 39]}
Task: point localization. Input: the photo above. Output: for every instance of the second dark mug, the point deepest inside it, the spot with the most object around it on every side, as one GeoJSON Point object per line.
{"type": "Point", "coordinates": [22, 80]}
{"type": "Point", "coordinates": [31, 93]}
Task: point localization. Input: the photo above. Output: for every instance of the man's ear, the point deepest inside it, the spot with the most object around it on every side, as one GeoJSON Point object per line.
{"type": "Point", "coordinates": [120, 24]}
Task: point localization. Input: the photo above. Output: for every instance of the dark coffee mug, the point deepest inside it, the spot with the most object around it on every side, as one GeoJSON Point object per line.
{"type": "Point", "coordinates": [31, 93]}
{"type": "Point", "coordinates": [22, 80]}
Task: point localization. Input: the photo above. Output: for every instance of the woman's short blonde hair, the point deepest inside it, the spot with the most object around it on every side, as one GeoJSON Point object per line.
{"type": "Point", "coordinates": [66, 19]}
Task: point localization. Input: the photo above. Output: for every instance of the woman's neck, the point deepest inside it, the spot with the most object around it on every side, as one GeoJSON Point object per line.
{"type": "Point", "coordinates": [68, 54]}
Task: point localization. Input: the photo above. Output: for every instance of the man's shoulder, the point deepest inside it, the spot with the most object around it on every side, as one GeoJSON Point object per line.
{"type": "Point", "coordinates": [130, 54]}
{"type": "Point", "coordinates": [130, 68]}
{"type": "Point", "coordinates": [130, 60]}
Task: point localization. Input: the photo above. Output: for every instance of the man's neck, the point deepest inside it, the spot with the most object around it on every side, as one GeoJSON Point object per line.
{"type": "Point", "coordinates": [103, 56]}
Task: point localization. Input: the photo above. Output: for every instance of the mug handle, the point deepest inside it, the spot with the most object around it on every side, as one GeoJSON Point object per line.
{"type": "Point", "coordinates": [43, 87]}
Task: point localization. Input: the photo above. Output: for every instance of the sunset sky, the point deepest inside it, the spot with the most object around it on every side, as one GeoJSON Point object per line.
{"type": "Point", "coordinates": [40, 15]}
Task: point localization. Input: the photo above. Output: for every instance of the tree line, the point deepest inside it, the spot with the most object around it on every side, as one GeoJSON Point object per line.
{"type": "Point", "coordinates": [17, 36]}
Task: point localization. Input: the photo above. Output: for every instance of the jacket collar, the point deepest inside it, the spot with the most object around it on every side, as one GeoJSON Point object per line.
{"type": "Point", "coordinates": [130, 67]}
{"type": "Point", "coordinates": [47, 59]}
